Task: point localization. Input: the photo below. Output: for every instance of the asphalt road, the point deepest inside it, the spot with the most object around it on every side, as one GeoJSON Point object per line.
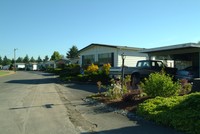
{"type": "Point", "coordinates": [30, 104]}
{"type": "Point", "coordinates": [37, 103]}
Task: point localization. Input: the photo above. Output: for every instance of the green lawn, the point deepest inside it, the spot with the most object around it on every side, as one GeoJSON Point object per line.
{"type": "Point", "coordinates": [3, 73]}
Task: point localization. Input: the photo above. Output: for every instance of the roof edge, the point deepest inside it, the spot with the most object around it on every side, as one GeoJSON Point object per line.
{"type": "Point", "coordinates": [185, 45]}
{"type": "Point", "coordinates": [112, 46]}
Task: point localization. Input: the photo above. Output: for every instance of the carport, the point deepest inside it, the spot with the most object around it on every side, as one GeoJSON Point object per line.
{"type": "Point", "coordinates": [183, 55]}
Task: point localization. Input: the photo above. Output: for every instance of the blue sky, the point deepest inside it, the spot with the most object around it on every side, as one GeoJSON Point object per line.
{"type": "Point", "coordinates": [40, 27]}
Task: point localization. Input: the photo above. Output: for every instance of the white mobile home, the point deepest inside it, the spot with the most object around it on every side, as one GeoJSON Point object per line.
{"type": "Point", "coordinates": [102, 54]}
{"type": "Point", "coordinates": [20, 66]}
{"type": "Point", "coordinates": [32, 66]}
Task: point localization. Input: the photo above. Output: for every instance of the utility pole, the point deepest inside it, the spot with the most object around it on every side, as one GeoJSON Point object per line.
{"type": "Point", "coordinates": [15, 59]}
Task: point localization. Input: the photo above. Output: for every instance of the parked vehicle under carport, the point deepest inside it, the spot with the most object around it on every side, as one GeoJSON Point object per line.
{"type": "Point", "coordinates": [189, 73]}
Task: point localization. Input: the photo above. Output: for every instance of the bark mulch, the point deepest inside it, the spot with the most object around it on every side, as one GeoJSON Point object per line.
{"type": "Point", "coordinates": [129, 102]}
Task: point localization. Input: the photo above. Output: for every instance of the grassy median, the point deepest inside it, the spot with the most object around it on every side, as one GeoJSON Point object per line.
{"type": "Point", "coordinates": [3, 73]}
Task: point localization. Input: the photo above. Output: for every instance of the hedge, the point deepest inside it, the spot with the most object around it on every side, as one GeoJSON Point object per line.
{"type": "Point", "coordinates": [179, 112]}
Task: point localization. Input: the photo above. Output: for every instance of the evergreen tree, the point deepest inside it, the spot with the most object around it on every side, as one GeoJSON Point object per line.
{"type": "Point", "coordinates": [6, 61]}
{"type": "Point", "coordinates": [19, 60]}
{"type": "Point", "coordinates": [26, 59]}
{"type": "Point", "coordinates": [39, 59]}
{"type": "Point", "coordinates": [56, 56]}
{"type": "Point", "coordinates": [12, 61]}
{"type": "Point", "coordinates": [46, 58]}
{"type": "Point", "coordinates": [73, 52]}
{"type": "Point", "coordinates": [1, 61]}
{"type": "Point", "coordinates": [32, 59]}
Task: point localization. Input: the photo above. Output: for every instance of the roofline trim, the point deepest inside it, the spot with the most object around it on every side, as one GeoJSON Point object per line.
{"type": "Point", "coordinates": [112, 46]}
{"type": "Point", "coordinates": [185, 45]}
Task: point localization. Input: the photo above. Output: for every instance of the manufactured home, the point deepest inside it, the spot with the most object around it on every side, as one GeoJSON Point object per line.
{"type": "Point", "coordinates": [103, 54]}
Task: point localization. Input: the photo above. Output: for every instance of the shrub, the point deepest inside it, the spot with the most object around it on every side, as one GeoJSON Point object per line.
{"type": "Point", "coordinates": [186, 87]}
{"type": "Point", "coordinates": [99, 76]}
{"type": "Point", "coordinates": [50, 69]}
{"type": "Point", "coordinates": [180, 112]}
{"type": "Point", "coordinates": [114, 92]}
{"type": "Point", "coordinates": [106, 68]}
{"type": "Point", "coordinates": [57, 71]}
{"type": "Point", "coordinates": [160, 84]}
{"type": "Point", "coordinates": [92, 68]}
{"type": "Point", "coordinates": [70, 70]}
{"type": "Point", "coordinates": [82, 77]}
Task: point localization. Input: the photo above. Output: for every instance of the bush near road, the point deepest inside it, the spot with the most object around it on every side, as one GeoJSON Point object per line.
{"type": "Point", "coordinates": [180, 112]}
{"type": "Point", "coordinates": [93, 73]}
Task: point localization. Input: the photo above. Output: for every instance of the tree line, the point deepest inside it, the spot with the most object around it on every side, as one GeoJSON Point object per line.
{"type": "Point", "coordinates": [72, 53]}
{"type": "Point", "coordinates": [6, 61]}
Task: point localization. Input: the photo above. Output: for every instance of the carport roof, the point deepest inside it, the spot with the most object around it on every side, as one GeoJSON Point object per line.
{"type": "Point", "coordinates": [171, 47]}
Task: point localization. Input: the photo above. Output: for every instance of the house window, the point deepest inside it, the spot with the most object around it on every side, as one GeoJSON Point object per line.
{"type": "Point", "coordinates": [106, 58]}
{"type": "Point", "coordinates": [87, 59]}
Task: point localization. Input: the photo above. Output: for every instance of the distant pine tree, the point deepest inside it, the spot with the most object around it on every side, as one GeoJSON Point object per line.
{"type": "Point", "coordinates": [73, 52]}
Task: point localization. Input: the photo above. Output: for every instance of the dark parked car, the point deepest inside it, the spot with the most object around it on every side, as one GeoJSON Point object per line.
{"type": "Point", "coordinates": [188, 73]}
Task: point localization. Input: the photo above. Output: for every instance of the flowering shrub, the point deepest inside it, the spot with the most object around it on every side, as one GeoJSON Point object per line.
{"type": "Point", "coordinates": [92, 68]}
{"type": "Point", "coordinates": [106, 68]}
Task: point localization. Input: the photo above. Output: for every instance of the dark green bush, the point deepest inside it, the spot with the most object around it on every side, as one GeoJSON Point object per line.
{"type": "Point", "coordinates": [70, 70]}
{"type": "Point", "coordinates": [160, 84]}
{"type": "Point", "coordinates": [56, 71]}
{"type": "Point", "coordinates": [100, 76]}
{"type": "Point", "coordinates": [180, 112]}
{"type": "Point", "coordinates": [82, 77]}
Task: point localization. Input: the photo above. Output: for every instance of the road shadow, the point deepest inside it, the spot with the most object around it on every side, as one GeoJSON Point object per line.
{"type": "Point", "coordinates": [138, 129]}
{"type": "Point", "coordinates": [35, 81]}
{"type": "Point", "coordinates": [83, 86]}
{"type": "Point", "coordinates": [47, 106]}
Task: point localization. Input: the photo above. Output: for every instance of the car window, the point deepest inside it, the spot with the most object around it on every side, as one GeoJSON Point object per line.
{"type": "Point", "coordinates": [143, 64]}
{"type": "Point", "coordinates": [160, 64]}
{"type": "Point", "coordinates": [139, 64]}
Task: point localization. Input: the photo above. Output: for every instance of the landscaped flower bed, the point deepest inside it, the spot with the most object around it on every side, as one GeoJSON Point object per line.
{"type": "Point", "coordinates": [160, 100]}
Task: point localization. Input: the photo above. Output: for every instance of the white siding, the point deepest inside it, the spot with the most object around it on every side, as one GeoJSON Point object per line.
{"type": "Point", "coordinates": [131, 61]}
{"type": "Point", "coordinates": [34, 67]}
{"type": "Point", "coordinates": [20, 66]}
{"type": "Point", "coordinates": [131, 57]}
